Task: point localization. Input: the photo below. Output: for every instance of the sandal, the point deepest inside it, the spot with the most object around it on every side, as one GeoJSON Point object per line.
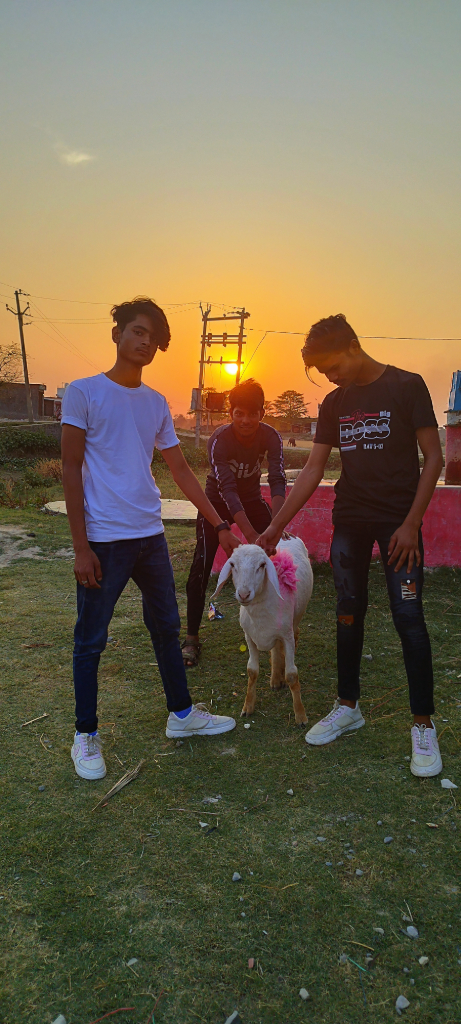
{"type": "Point", "coordinates": [191, 652]}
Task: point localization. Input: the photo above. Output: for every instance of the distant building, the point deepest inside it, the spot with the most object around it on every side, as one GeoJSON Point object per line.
{"type": "Point", "coordinates": [13, 401]}
{"type": "Point", "coordinates": [52, 407]}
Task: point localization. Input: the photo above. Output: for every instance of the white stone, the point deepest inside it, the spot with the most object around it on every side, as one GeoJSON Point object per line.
{"type": "Point", "coordinates": [412, 931]}
{"type": "Point", "coordinates": [423, 960]}
{"type": "Point", "coordinates": [304, 993]}
{"type": "Point", "coordinates": [60, 1020]}
{"type": "Point", "coordinates": [388, 839]}
{"type": "Point", "coordinates": [401, 1003]}
{"type": "Point", "coordinates": [379, 930]}
{"type": "Point", "coordinates": [247, 725]}
{"type": "Point", "coordinates": [446, 784]}
{"type": "Point", "coordinates": [236, 877]}
{"type": "Point", "coordinates": [132, 962]}
{"type": "Point", "coordinates": [290, 792]}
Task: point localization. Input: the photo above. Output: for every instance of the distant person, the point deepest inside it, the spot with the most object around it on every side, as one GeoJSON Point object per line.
{"type": "Point", "coordinates": [291, 442]}
{"type": "Point", "coordinates": [111, 424]}
{"type": "Point", "coordinates": [235, 451]}
{"type": "Point", "coordinates": [376, 416]}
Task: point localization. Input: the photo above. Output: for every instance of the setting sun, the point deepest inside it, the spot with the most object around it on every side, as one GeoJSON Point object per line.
{"type": "Point", "coordinates": [231, 368]}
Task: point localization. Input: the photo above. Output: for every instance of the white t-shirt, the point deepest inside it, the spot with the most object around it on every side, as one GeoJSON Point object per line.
{"type": "Point", "coordinates": [122, 427]}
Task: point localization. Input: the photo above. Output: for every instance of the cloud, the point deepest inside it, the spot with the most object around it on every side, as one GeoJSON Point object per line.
{"type": "Point", "coordinates": [72, 157]}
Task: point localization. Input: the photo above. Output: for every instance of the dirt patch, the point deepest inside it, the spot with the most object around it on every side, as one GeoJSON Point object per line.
{"type": "Point", "coordinates": [12, 541]}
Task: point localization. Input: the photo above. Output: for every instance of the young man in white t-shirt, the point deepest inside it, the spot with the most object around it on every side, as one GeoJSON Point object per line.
{"type": "Point", "coordinates": [111, 424]}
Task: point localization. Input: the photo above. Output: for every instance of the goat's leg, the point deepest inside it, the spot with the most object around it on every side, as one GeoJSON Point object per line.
{"type": "Point", "coordinates": [278, 666]}
{"type": "Point", "coordinates": [253, 673]}
{"type": "Point", "coordinates": [292, 678]}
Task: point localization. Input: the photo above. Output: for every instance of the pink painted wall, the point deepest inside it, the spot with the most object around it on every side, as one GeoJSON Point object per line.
{"type": "Point", "coordinates": [441, 529]}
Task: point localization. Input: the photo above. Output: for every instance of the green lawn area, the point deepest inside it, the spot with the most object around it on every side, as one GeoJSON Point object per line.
{"type": "Point", "coordinates": [84, 892]}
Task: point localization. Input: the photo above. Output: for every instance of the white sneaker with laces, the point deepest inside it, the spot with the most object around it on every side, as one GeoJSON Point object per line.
{"type": "Point", "coordinates": [425, 754]}
{"type": "Point", "coordinates": [199, 722]}
{"type": "Point", "coordinates": [340, 719]}
{"type": "Point", "coordinates": [87, 756]}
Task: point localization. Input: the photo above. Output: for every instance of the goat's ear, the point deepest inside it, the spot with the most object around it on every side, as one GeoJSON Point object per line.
{"type": "Point", "coordinates": [223, 576]}
{"type": "Point", "coordinates": [272, 576]}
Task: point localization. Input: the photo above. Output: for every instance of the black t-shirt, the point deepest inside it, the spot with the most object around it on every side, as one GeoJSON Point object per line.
{"type": "Point", "coordinates": [374, 426]}
{"type": "Point", "coordinates": [235, 472]}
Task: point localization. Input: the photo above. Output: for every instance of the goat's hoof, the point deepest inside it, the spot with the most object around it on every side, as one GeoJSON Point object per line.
{"type": "Point", "coordinates": [301, 720]}
{"type": "Point", "coordinates": [277, 684]}
{"type": "Point", "coordinates": [246, 712]}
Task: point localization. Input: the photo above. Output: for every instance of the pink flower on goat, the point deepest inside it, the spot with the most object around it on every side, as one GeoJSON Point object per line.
{"type": "Point", "coordinates": [286, 572]}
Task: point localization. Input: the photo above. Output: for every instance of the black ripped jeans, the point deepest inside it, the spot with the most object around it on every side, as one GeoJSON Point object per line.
{"type": "Point", "coordinates": [351, 551]}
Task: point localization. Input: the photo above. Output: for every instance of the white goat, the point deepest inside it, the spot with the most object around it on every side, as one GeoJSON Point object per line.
{"type": "Point", "coordinates": [270, 621]}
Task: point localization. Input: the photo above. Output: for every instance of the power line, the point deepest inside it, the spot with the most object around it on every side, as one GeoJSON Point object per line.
{"type": "Point", "coordinates": [66, 349]}
{"type": "Point", "coordinates": [376, 337]}
{"type": "Point", "coordinates": [391, 337]}
{"type": "Point", "coordinates": [254, 353]}
{"type": "Point", "coordinates": [70, 344]}
{"type": "Point", "coordinates": [222, 305]}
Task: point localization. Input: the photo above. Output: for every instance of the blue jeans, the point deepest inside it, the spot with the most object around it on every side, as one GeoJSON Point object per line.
{"type": "Point", "coordinates": [351, 551]}
{"type": "Point", "coordinates": [147, 562]}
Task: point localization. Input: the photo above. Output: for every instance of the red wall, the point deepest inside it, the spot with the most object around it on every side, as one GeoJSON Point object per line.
{"type": "Point", "coordinates": [441, 528]}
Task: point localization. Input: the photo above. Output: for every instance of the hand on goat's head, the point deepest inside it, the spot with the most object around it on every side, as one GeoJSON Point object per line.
{"type": "Point", "coordinates": [251, 570]}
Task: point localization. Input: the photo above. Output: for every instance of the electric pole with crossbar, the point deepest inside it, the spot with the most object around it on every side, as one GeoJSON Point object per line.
{"type": "Point", "coordinates": [20, 313]}
{"type": "Point", "coordinates": [224, 339]}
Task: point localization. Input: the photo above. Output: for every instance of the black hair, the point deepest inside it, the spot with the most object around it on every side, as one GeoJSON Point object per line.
{"type": "Point", "coordinates": [248, 395]}
{"type": "Point", "coordinates": [332, 334]}
{"type": "Point", "coordinates": [128, 311]}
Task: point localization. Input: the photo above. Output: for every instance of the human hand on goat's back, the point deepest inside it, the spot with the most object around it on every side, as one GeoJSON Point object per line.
{"type": "Point", "coordinates": [269, 539]}
{"type": "Point", "coordinates": [228, 541]}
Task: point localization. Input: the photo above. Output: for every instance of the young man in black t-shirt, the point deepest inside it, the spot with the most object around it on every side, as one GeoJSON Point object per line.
{"type": "Point", "coordinates": [377, 416]}
{"type": "Point", "coordinates": [235, 451]}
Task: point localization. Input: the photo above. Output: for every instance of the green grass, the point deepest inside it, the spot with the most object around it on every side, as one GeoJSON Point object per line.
{"type": "Point", "coordinates": [84, 891]}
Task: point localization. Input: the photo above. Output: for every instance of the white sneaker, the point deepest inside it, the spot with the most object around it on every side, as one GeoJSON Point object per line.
{"type": "Point", "coordinates": [425, 755]}
{"type": "Point", "coordinates": [340, 719]}
{"type": "Point", "coordinates": [87, 756]}
{"type": "Point", "coordinates": [199, 722]}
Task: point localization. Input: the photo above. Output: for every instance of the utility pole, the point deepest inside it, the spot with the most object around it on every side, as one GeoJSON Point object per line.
{"type": "Point", "coordinates": [20, 313]}
{"type": "Point", "coordinates": [241, 342]}
{"type": "Point", "coordinates": [201, 376]}
{"type": "Point", "coordinates": [223, 339]}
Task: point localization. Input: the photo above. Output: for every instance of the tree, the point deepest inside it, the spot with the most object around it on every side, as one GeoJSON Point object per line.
{"type": "Point", "coordinates": [291, 405]}
{"type": "Point", "coordinates": [10, 364]}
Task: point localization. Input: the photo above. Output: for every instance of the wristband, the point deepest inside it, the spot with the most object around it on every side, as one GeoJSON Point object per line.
{"type": "Point", "coordinates": [222, 526]}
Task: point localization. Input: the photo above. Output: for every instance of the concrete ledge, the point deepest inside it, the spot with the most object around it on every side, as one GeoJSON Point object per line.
{"type": "Point", "coordinates": [441, 527]}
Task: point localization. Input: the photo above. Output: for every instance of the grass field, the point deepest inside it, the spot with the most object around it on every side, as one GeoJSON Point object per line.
{"type": "Point", "coordinates": [85, 892]}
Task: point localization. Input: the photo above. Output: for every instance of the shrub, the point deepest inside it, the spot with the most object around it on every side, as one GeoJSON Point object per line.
{"type": "Point", "coordinates": [196, 458]}
{"type": "Point", "coordinates": [49, 470]}
{"type": "Point", "coordinates": [34, 479]}
{"type": "Point", "coordinates": [17, 442]}
{"type": "Point", "coordinates": [7, 495]}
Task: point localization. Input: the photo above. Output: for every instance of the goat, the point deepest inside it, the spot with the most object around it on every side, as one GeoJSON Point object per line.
{"type": "Point", "coordinates": [273, 596]}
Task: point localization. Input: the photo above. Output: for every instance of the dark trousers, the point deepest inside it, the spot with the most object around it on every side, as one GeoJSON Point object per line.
{"type": "Point", "coordinates": [351, 551]}
{"type": "Point", "coordinates": [147, 562]}
{"type": "Point", "coordinates": [259, 514]}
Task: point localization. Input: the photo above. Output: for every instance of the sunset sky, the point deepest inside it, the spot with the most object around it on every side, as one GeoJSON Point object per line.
{"type": "Point", "coordinates": [297, 157]}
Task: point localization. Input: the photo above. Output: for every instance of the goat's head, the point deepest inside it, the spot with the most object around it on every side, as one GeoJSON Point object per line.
{"type": "Point", "coordinates": [250, 568]}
